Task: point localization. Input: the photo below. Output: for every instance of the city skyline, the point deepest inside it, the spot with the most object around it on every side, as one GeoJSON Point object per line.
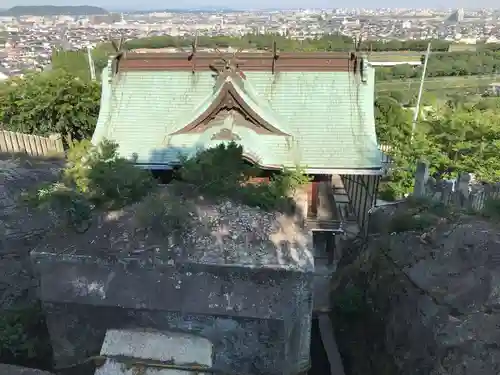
{"type": "Point", "coordinates": [255, 4]}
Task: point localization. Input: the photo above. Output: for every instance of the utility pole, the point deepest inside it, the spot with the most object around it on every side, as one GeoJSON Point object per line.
{"type": "Point", "coordinates": [91, 63]}
{"type": "Point", "coordinates": [420, 90]}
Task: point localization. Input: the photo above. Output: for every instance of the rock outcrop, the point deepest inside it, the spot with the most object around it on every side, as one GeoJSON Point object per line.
{"type": "Point", "coordinates": [423, 297]}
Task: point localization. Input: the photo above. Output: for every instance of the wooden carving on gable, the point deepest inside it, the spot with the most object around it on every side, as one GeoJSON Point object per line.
{"type": "Point", "coordinates": [226, 135]}
{"type": "Point", "coordinates": [229, 102]}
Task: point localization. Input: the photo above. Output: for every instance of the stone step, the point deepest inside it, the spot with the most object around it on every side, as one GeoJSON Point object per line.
{"type": "Point", "coordinates": [126, 347]}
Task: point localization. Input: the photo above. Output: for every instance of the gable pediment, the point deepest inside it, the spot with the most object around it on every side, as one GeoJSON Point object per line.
{"type": "Point", "coordinates": [225, 134]}
{"type": "Point", "coordinates": [230, 98]}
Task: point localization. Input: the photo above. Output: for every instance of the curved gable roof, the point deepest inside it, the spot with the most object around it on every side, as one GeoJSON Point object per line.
{"type": "Point", "coordinates": [232, 92]}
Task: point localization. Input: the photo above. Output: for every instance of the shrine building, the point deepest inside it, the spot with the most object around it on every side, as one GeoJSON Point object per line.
{"type": "Point", "coordinates": [285, 109]}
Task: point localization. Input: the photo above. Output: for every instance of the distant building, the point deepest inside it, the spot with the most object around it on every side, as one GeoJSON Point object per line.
{"type": "Point", "coordinates": [407, 25]}
{"type": "Point", "coordinates": [456, 17]}
{"type": "Point", "coordinates": [492, 39]}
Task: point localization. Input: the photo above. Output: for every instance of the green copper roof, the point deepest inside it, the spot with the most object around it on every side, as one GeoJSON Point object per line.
{"type": "Point", "coordinates": [327, 117]}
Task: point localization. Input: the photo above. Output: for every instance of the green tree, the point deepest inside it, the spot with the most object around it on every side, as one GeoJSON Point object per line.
{"type": "Point", "coordinates": [50, 102]}
{"type": "Point", "coordinates": [393, 122]}
{"type": "Point", "coordinates": [488, 103]}
{"type": "Point", "coordinates": [467, 140]}
{"type": "Point", "coordinates": [399, 96]}
{"type": "Point", "coordinates": [405, 153]}
{"type": "Point", "coordinates": [394, 130]}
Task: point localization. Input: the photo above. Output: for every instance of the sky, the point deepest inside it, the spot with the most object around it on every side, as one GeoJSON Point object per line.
{"type": "Point", "coordinates": [257, 4]}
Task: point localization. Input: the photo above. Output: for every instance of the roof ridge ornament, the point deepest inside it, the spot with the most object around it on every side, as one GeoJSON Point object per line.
{"type": "Point", "coordinates": [229, 66]}
{"type": "Point", "coordinates": [194, 48]}
{"type": "Point", "coordinates": [276, 55]}
{"type": "Point", "coordinates": [120, 52]}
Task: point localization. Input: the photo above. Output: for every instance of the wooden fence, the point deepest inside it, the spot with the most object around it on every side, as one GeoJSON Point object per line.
{"type": "Point", "coordinates": [33, 145]}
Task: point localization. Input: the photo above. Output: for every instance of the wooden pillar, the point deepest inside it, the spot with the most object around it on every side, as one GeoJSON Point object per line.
{"type": "Point", "coordinates": [314, 198]}
{"type": "Point", "coordinates": [308, 190]}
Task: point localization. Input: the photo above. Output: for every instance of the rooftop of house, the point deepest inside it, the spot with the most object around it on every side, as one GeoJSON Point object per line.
{"type": "Point", "coordinates": [287, 109]}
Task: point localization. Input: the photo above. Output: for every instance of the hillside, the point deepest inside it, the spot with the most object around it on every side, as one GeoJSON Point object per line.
{"type": "Point", "coordinates": [52, 10]}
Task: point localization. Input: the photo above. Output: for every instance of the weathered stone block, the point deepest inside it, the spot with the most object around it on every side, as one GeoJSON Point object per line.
{"type": "Point", "coordinates": [258, 319]}
{"type": "Point", "coordinates": [249, 293]}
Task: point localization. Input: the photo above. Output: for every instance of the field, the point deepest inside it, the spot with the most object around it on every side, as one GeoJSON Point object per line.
{"type": "Point", "coordinates": [396, 56]}
{"type": "Point", "coordinates": [446, 85]}
{"type": "Point", "coordinates": [466, 83]}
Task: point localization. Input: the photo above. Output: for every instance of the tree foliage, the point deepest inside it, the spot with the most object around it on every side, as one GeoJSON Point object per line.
{"type": "Point", "coordinates": [456, 138]}
{"type": "Point", "coordinates": [106, 179]}
{"type": "Point", "coordinates": [335, 42]}
{"type": "Point", "coordinates": [95, 177]}
{"type": "Point", "coordinates": [393, 121]}
{"type": "Point", "coordinates": [222, 172]}
{"type": "Point", "coordinates": [50, 102]}
{"type": "Point", "coordinates": [466, 140]}
{"type": "Point", "coordinates": [394, 130]}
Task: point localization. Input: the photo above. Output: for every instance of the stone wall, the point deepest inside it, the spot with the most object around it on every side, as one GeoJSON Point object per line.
{"type": "Point", "coordinates": [423, 301]}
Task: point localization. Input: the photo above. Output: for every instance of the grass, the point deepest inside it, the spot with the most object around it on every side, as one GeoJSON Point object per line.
{"type": "Point", "coordinates": [438, 83]}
